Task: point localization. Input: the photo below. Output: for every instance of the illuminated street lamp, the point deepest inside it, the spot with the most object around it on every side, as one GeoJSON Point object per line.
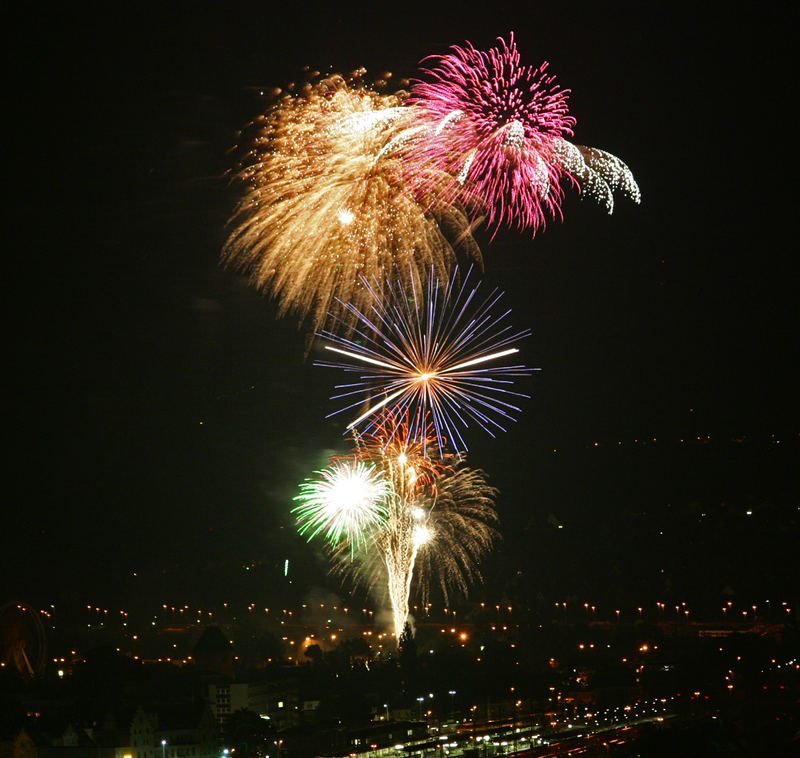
{"type": "Point", "coordinates": [163, 748]}
{"type": "Point", "coordinates": [452, 701]}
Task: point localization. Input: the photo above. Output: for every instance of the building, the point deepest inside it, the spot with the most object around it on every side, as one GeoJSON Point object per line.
{"type": "Point", "coordinates": [175, 731]}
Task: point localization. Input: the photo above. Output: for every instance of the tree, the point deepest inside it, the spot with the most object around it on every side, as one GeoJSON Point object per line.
{"type": "Point", "coordinates": [250, 735]}
{"type": "Point", "coordinates": [407, 649]}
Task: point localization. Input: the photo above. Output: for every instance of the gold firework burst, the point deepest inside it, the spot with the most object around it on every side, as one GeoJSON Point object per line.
{"type": "Point", "coordinates": [324, 204]}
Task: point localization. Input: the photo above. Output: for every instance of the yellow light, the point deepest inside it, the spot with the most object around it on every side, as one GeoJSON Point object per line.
{"type": "Point", "coordinates": [421, 535]}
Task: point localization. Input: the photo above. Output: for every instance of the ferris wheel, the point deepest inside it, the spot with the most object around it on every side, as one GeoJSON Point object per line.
{"type": "Point", "coordinates": [22, 639]}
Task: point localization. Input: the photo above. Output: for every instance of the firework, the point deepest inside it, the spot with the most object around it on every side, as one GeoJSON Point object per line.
{"type": "Point", "coordinates": [461, 524]}
{"type": "Point", "coordinates": [394, 517]}
{"type": "Point", "coordinates": [343, 503]}
{"type": "Point", "coordinates": [491, 133]}
{"type": "Point", "coordinates": [435, 538]}
{"type": "Point", "coordinates": [597, 173]}
{"type": "Point", "coordinates": [440, 521]}
{"type": "Point", "coordinates": [398, 448]}
{"type": "Point", "coordinates": [439, 351]}
{"type": "Point", "coordinates": [324, 205]}
{"type": "Point", "coordinates": [492, 125]}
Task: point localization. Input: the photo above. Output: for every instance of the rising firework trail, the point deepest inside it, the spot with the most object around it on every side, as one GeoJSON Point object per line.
{"type": "Point", "coordinates": [441, 520]}
{"type": "Point", "coordinates": [438, 352]}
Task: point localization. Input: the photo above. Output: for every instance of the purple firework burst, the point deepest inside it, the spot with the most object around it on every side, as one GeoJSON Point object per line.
{"type": "Point", "coordinates": [436, 353]}
{"type": "Point", "coordinates": [491, 126]}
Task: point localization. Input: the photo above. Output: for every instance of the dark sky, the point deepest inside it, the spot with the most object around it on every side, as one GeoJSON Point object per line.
{"type": "Point", "coordinates": [159, 414]}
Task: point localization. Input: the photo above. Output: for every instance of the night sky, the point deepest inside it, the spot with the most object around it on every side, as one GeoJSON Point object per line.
{"type": "Point", "coordinates": [160, 416]}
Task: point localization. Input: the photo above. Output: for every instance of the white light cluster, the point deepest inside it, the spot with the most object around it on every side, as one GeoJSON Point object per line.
{"type": "Point", "coordinates": [597, 172]}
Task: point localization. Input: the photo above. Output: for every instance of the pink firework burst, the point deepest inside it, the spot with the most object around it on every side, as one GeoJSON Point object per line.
{"type": "Point", "coordinates": [487, 135]}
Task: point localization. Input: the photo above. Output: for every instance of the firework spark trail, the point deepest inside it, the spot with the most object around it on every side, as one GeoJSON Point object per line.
{"type": "Point", "coordinates": [462, 527]}
{"type": "Point", "coordinates": [324, 206]}
{"type": "Point", "coordinates": [412, 518]}
{"type": "Point", "coordinates": [431, 540]}
{"type": "Point", "coordinates": [440, 354]}
{"type": "Point", "coordinates": [440, 519]}
{"type": "Point", "coordinates": [597, 173]}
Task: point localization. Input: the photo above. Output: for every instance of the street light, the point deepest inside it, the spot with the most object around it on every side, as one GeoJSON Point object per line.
{"type": "Point", "coordinates": [452, 694]}
{"type": "Point", "coordinates": [386, 706]}
{"type": "Point", "coordinates": [163, 748]}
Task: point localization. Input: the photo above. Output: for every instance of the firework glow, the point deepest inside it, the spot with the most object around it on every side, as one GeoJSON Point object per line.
{"type": "Point", "coordinates": [436, 352]}
{"type": "Point", "coordinates": [323, 206]}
